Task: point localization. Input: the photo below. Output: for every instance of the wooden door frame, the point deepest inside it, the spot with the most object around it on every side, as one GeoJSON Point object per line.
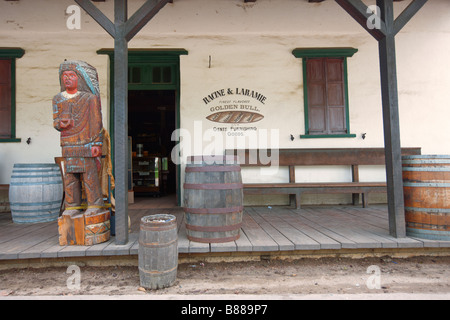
{"type": "Point", "coordinates": [138, 56]}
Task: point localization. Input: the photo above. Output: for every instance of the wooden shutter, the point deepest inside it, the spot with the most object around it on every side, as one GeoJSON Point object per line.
{"type": "Point", "coordinates": [317, 96]}
{"type": "Point", "coordinates": [336, 96]}
{"type": "Point", "coordinates": [5, 99]}
{"type": "Point", "coordinates": [326, 96]}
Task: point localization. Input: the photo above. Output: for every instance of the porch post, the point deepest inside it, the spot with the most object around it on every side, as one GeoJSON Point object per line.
{"type": "Point", "coordinates": [121, 121]}
{"type": "Point", "coordinates": [391, 122]}
{"type": "Point", "coordinates": [385, 35]}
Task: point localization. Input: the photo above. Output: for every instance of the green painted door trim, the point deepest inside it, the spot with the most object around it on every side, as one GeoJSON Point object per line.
{"type": "Point", "coordinates": [304, 54]}
{"type": "Point", "coordinates": [147, 56]}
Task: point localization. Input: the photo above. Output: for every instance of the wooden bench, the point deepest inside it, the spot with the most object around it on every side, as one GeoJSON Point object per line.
{"type": "Point", "coordinates": [316, 157]}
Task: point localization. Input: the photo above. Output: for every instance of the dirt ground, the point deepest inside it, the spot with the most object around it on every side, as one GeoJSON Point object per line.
{"type": "Point", "coordinates": [419, 275]}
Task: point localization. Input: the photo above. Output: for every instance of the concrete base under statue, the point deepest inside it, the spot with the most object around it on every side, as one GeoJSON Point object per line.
{"type": "Point", "coordinates": [80, 229]}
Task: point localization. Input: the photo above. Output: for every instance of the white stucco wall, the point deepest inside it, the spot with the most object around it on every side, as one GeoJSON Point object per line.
{"type": "Point", "coordinates": [250, 46]}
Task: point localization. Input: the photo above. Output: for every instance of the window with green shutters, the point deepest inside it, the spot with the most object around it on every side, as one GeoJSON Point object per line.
{"type": "Point", "coordinates": [5, 98]}
{"type": "Point", "coordinates": [8, 93]}
{"type": "Point", "coordinates": [326, 91]}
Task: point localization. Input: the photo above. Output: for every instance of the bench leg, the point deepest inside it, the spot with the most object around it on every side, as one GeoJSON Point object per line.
{"type": "Point", "coordinates": [365, 200]}
{"type": "Point", "coordinates": [297, 200]}
{"type": "Point", "coordinates": [355, 199]}
{"type": "Point", "coordinates": [292, 200]}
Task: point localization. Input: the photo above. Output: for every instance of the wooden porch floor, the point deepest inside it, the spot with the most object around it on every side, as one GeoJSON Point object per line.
{"type": "Point", "coordinates": [264, 230]}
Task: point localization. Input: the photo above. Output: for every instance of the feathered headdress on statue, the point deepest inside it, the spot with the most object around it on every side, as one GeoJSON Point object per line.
{"type": "Point", "coordinates": [87, 76]}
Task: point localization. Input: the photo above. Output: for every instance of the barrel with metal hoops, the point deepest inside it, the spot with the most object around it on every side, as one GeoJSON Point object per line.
{"type": "Point", "coordinates": [35, 192]}
{"type": "Point", "coordinates": [158, 251]}
{"type": "Point", "coordinates": [426, 187]}
{"type": "Point", "coordinates": [213, 199]}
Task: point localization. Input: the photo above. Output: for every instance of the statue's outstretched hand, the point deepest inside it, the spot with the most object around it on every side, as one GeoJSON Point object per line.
{"type": "Point", "coordinates": [65, 123]}
{"type": "Point", "coordinates": [96, 151]}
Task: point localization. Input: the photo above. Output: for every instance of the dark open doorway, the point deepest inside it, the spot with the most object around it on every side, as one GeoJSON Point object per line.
{"type": "Point", "coordinates": [151, 121]}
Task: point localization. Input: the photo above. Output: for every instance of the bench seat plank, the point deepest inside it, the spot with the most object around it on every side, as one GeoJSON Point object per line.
{"type": "Point", "coordinates": [316, 185]}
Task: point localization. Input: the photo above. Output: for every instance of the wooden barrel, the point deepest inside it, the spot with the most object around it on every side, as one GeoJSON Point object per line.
{"type": "Point", "coordinates": [35, 192]}
{"type": "Point", "coordinates": [213, 199]}
{"type": "Point", "coordinates": [158, 251]}
{"type": "Point", "coordinates": [426, 186]}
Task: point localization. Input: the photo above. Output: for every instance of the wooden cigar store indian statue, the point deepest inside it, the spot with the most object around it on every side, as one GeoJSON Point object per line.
{"type": "Point", "coordinates": [77, 115]}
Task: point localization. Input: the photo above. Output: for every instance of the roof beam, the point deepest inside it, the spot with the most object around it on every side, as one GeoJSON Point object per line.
{"type": "Point", "coordinates": [362, 14]}
{"type": "Point", "coordinates": [407, 14]}
{"type": "Point", "coordinates": [98, 16]}
{"type": "Point", "coordinates": [142, 16]}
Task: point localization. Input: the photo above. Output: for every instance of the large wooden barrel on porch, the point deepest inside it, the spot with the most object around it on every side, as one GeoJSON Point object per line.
{"type": "Point", "coordinates": [426, 186]}
{"type": "Point", "coordinates": [35, 192]}
{"type": "Point", "coordinates": [213, 199]}
{"type": "Point", "coordinates": [158, 251]}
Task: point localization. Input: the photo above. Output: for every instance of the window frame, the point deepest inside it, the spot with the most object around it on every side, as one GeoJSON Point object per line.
{"type": "Point", "coordinates": [147, 72]}
{"type": "Point", "coordinates": [339, 53]}
{"type": "Point", "coordinates": [12, 54]}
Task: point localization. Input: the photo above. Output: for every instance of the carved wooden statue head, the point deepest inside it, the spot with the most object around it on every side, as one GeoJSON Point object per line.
{"type": "Point", "coordinates": [87, 77]}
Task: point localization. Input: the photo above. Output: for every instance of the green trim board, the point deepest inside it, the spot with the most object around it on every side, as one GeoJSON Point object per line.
{"type": "Point", "coordinates": [312, 136]}
{"type": "Point", "coordinates": [12, 54]}
{"type": "Point", "coordinates": [310, 53]}
{"type": "Point", "coordinates": [15, 140]}
{"type": "Point", "coordinates": [324, 52]}
{"type": "Point", "coordinates": [149, 59]}
{"type": "Point", "coordinates": [143, 55]}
